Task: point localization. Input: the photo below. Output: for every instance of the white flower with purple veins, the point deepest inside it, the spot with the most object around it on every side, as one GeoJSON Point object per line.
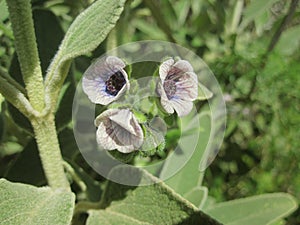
{"type": "Point", "coordinates": [178, 86]}
{"type": "Point", "coordinates": [106, 80]}
{"type": "Point", "coordinates": [119, 129]}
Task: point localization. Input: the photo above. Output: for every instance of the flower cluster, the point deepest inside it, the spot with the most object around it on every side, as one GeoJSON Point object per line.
{"type": "Point", "coordinates": [106, 81]}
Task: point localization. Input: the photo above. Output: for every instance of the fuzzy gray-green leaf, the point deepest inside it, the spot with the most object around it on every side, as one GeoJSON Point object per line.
{"type": "Point", "coordinates": [259, 210]}
{"type": "Point", "coordinates": [26, 205]}
{"type": "Point", "coordinates": [91, 27]}
{"type": "Point", "coordinates": [148, 205]}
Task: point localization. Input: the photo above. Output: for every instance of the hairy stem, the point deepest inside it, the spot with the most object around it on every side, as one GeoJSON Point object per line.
{"type": "Point", "coordinates": [43, 120]}
{"type": "Point", "coordinates": [26, 47]}
{"type": "Point", "coordinates": [14, 93]}
{"type": "Point", "coordinates": [112, 40]}
{"type": "Point", "coordinates": [45, 133]}
{"type": "Point", "coordinates": [54, 81]}
{"type": "Point", "coordinates": [11, 81]}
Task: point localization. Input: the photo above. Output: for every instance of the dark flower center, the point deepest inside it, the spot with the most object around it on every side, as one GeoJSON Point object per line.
{"type": "Point", "coordinates": [170, 82]}
{"type": "Point", "coordinates": [115, 83]}
{"type": "Point", "coordinates": [170, 88]}
{"type": "Point", "coordinates": [174, 74]}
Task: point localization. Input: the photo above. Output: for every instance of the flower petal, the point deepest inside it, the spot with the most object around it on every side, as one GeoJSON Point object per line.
{"type": "Point", "coordinates": [187, 87]}
{"type": "Point", "coordinates": [184, 66]}
{"type": "Point", "coordinates": [95, 90]}
{"type": "Point", "coordinates": [123, 119]}
{"type": "Point", "coordinates": [182, 107]}
{"type": "Point", "coordinates": [104, 138]}
{"type": "Point", "coordinates": [119, 129]}
{"type": "Point", "coordinates": [104, 116]}
{"type": "Point", "coordinates": [99, 68]}
{"type": "Point", "coordinates": [165, 68]}
{"type": "Point", "coordinates": [164, 99]}
{"type": "Point", "coordinates": [115, 63]}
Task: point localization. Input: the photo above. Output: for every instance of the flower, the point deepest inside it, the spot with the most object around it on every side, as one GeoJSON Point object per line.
{"type": "Point", "coordinates": [106, 80]}
{"type": "Point", "coordinates": [119, 129]}
{"type": "Point", "coordinates": [178, 86]}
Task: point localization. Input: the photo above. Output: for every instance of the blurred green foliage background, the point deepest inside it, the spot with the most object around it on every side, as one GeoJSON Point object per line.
{"type": "Point", "coordinates": [252, 47]}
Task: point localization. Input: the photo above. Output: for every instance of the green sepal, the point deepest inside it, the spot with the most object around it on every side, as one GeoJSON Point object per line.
{"type": "Point", "coordinates": [141, 117]}
{"type": "Point", "coordinates": [154, 141]}
{"type": "Point", "coordinates": [134, 87]}
{"type": "Point", "coordinates": [128, 69]}
{"type": "Point", "coordinates": [123, 157]}
{"type": "Point", "coordinates": [203, 92]}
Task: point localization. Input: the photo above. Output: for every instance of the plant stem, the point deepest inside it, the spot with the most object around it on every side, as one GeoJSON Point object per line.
{"type": "Point", "coordinates": [84, 206]}
{"type": "Point", "coordinates": [26, 47]}
{"type": "Point", "coordinates": [46, 137]}
{"type": "Point", "coordinates": [55, 80]}
{"type": "Point", "coordinates": [43, 123]}
{"type": "Point", "coordinates": [14, 93]}
{"type": "Point", "coordinates": [112, 40]}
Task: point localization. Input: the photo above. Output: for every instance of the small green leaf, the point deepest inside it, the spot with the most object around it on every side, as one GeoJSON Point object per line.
{"type": "Point", "coordinates": [154, 137]}
{"type": "Point", "coordinates": [259, 210]}
{"type": "Point", "coordinates": [153, 204]}
{"type": "Point", "coordinates": [141, 117]}
{"type": "Point", "coordinates": [123, 157]}
{"type": "Point", "coordinates": [203, 92]}
{"type": "Point", "coordinates": [26, 204]}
